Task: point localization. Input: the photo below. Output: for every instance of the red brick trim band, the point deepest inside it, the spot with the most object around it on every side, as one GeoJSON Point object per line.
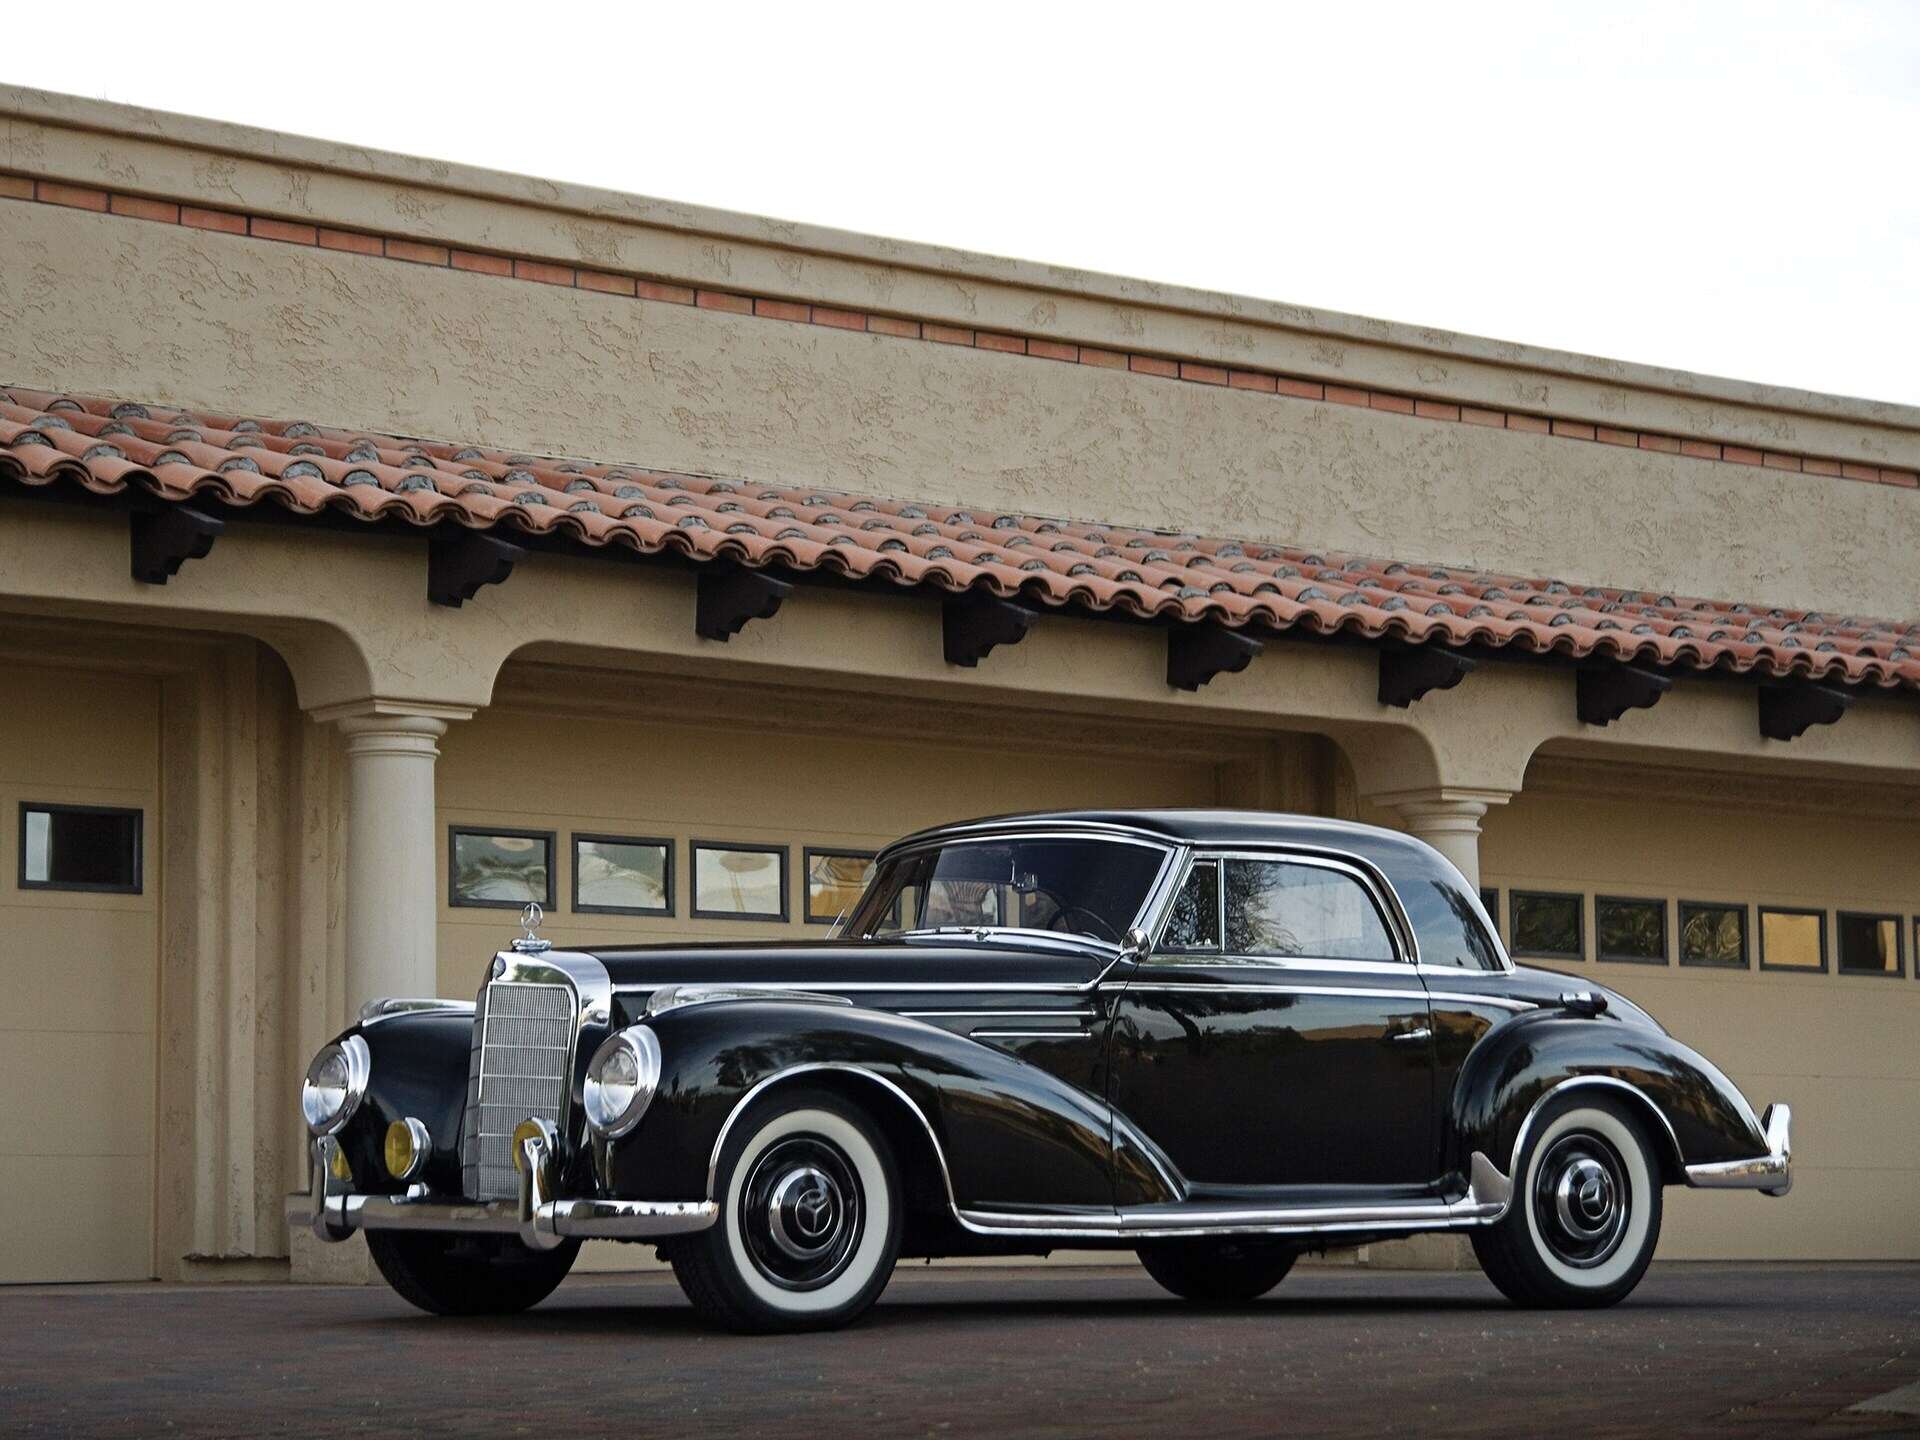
{"type": "Point", "coordinates": [1192, 372]}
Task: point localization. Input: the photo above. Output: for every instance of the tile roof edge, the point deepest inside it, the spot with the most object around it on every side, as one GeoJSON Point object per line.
{"type": "Point", "coordinates": [282, 148]}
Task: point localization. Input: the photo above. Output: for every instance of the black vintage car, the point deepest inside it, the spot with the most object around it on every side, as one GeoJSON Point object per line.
{"type": "Point", "coordinates": [1218, 1039]}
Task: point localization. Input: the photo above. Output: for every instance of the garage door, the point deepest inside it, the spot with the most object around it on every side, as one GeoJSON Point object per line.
{"type": "Point", "coordinates": [79, 786]}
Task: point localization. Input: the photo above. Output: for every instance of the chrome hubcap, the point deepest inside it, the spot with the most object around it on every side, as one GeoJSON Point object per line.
{"type": "Point", "coordinates": [800, 1212]}
{"type": "Point", "coordinates": [1581, 1199]}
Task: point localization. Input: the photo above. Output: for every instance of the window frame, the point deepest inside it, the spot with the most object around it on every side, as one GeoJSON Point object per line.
{"type": "Point", "coordinates": [1899, 971]}
{"type": "Point", "coordinates": [662, 842]}
{"type": "Point", "coordinates": [85, 887]}
{"type": "Point", "coordinates": [1681, 907]}
{"type": "Point", "coordinates": [1666, 937]}
{"type": "Point", "coordinates": [454, 902]}
{"type": "Point", "coordinates": [807, 852]}
{"type": "Point", "coordinates": [1515, 894]}
{"type": "Point", "coordinates": [1760, 927]}
{"type": "Point", "coordinates": [1387, 913]}
{"type": "Point", "coordinates": [1218, 949]}
{"type": "Point", "coordinates": [694, 847]}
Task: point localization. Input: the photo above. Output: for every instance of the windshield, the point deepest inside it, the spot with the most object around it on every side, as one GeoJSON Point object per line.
{"type": "Point", "coordinates": [1089, 887]}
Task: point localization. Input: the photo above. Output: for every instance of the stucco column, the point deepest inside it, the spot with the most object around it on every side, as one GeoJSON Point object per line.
{"type": "Point", "coordinates": [1447, 818]}
{"type": "Point", "coordinates": [392, 897]}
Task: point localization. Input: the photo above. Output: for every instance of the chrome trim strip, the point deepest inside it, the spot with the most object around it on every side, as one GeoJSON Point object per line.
{"type": "Point", "coordinates": [332, 1213]}
{"type": "Point", "coordinates": [677, 997]}
{"type": "Point", "coordinates": [374, 1011]}
{"type": "Point", "coordinates": [1576, 1082]}
{"type": "Point", "coordinates": [1411, 992]}
{"type": "Point", "coordinates": [1030, 1034]}
{"type": "Point", "coordinates": [917, 987]}
{"type": "Point", "coordinates": [1489, 1193]}
{"type": "Point", "coordinates": [995, 1014]}
{"type": "Point", "coordinates": [1499, 1001]}
{"type": "Point", "coordinates": [1770, 1174]}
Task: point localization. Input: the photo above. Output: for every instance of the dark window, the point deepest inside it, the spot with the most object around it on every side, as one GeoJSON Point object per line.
{"type": "Point", "coordinates": [835, 879]}
{"type": "Point", "coordinates": [1490, 902]}
{"type": "Point", "coordinates": [1633, 930]}
{"type": "Point", "coordinates": [1793, 939]}
{"type": "Point", "coordinates": [1869, 944]}
{"type": "Point", "coordinates": [1195, 921]}
{"type": "Point", "coordinates": [1547, 925]}
{"type": "Point", "coordinates": [1450, 933]}
{"type": "Point", "coordinates": [739, 882]}
{"type": "Point", "coordinates": [79, 847]}
{"type": "Point", "coordinates": [1713, 934]}
{"type": "Point", "coordinates": [622, 875]}
{"type": "Point", "coordinates": [501, 869]}
{"type": "Point", "coordinates": [1278, 908]}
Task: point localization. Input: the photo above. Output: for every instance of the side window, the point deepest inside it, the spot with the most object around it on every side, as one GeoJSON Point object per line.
{"type": "Point", "coordinates": [1195, 921]}
{"type": "Point", "coordinates": [1275, 907]}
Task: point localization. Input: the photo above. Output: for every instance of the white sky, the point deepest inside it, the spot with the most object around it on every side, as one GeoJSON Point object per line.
{"type": "Point", "coordinates": [1731, 188]}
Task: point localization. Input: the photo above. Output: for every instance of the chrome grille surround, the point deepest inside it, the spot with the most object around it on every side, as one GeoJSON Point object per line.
{"type": "Point", "coordinates": [527, 1028]}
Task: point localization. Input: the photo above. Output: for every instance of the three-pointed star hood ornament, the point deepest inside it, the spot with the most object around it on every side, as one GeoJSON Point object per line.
{"type": "Point", "coordinates": [531, 943]}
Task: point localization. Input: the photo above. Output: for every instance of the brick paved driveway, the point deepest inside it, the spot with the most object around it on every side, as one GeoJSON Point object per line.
{"type": "Point", "coordinates": [1740, 1350]}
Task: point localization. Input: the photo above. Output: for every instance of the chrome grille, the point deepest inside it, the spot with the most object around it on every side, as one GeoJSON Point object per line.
{"type": "Point", "coordinates": [518, 1069]}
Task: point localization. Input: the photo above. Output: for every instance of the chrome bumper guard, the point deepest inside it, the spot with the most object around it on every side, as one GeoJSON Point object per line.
{"type": "Point", "coordinates": [333, 1212]}
{"type": "Point", "coordinates": [1771, 1173]}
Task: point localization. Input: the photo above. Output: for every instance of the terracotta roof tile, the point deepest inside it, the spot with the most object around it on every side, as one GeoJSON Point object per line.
{"type": "Point", "coordinates": [108, 447]}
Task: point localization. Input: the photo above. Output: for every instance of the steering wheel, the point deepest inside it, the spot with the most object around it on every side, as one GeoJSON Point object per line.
{"type": "Point", "coordinates": [1089, 923]}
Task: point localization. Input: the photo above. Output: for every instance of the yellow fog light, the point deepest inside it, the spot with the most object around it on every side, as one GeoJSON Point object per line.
{"type": "Point", "coordinates": [408, 1146]}
{"type": "Point", "coordinates": [526, 1130]}
{"type": "Point", "coordinates": [338, 1165]}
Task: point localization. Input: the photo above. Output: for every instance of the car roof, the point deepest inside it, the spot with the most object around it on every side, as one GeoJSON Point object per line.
{"type": "Point", "coordinates": [1202, 827]}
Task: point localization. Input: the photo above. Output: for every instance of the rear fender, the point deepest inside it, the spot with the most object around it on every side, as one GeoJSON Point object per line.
{"type": "Point", "coordinates": [1692, 1113]}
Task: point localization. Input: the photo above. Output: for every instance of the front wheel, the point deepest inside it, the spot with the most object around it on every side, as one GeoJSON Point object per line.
{"type": "Point", "coordinates": [810, 1218]}
{"type": "Point", "coordinates": [1216, 1272]}
{"type": "Point", "coordinates": [468, 1275]}
{"type": "Point", "coordinates": [1585, 1214]}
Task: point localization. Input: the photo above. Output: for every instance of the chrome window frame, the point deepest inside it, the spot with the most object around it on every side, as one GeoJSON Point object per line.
{"type": "Point", "coordinates": [1400, 937]}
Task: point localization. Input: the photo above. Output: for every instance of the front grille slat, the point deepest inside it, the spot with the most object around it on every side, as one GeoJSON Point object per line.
{"type": "Point", "coordinates": [523, 1038]}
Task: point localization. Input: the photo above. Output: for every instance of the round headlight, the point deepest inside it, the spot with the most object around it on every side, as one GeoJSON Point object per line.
{"type": "Point", "coordinates": [336, 1082]}
{"type": "Point", "coordinates": [621, 1079]}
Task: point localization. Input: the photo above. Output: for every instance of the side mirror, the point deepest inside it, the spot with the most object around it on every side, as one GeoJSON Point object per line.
{"type": "Point", "coordinates": [1138, 947]}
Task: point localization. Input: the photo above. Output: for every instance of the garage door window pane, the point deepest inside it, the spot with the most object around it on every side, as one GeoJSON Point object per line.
{"type": "Point", "coordinates": [1275, 908]}
{"type": "Point", "coordinates": [1869, 944]}
{"type": "Point", "coordinates": [504, 868]}
{"type": "Point", "coordinates": [79, 847]}
{"type": "Point", "coordinates": [1631, 929]}
{"type": "Point", "coordinates": [1546, 924]}
{"type": "Point", "coordinates": [835, 879]}
{"type": "Point", "coordinates": [621, 874]}
{"type": "Point", "coordinates": [1793, 940]}
{"type": "Point", "coordinates": [740, 882]}
{"type": "Point", "coordinates": [1713, 935]}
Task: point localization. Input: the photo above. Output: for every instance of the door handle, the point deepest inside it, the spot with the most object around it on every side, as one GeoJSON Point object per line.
{"type": "Point", "coordinates": [1424, 1032]}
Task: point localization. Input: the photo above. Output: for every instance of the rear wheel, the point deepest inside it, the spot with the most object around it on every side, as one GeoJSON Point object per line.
{"type": "Point", "coordinates": [1216, 1272]}
{"type": "Point", "coordinates": [1586, 1211]}
{"type": "Point", "coordinates": [810, 1217]}
{"type": "Point", "coordinates": [468, 1275]}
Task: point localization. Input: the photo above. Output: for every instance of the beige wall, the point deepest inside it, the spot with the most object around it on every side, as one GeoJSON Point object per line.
{"type": "Point", "coordinates": [1843, 1050]}
{"type": "Point", "coordinates": [98, 304]}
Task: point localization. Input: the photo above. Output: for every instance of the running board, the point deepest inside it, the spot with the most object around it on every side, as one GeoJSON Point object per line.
{"type": "Point", "coordinates": [1488, 1194]}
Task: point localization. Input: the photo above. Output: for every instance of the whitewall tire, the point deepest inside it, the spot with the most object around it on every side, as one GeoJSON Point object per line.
{"type": "Point", "coordinates": [810, 1218]}
{"type": "Point", "coordinates": [1586, 1209]}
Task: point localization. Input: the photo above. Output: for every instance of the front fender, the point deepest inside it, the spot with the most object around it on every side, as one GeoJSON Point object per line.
{"type": "Point", "coordinates": [1695, 1114]}
{"type": "Point", "coordinates": [1007, 1132]}
{"type": "Point", "coordinates": [418, 1069]}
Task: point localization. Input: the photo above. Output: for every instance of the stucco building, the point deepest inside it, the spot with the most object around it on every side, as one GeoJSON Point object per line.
{"type": "Point", "coordinates": [382, 542]}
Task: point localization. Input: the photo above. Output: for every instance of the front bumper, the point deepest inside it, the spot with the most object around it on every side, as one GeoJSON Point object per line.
{"type": "Point", "coordinates": [333, 1212]}
{"type": "Point", "coordinates": [1771, 1173]}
